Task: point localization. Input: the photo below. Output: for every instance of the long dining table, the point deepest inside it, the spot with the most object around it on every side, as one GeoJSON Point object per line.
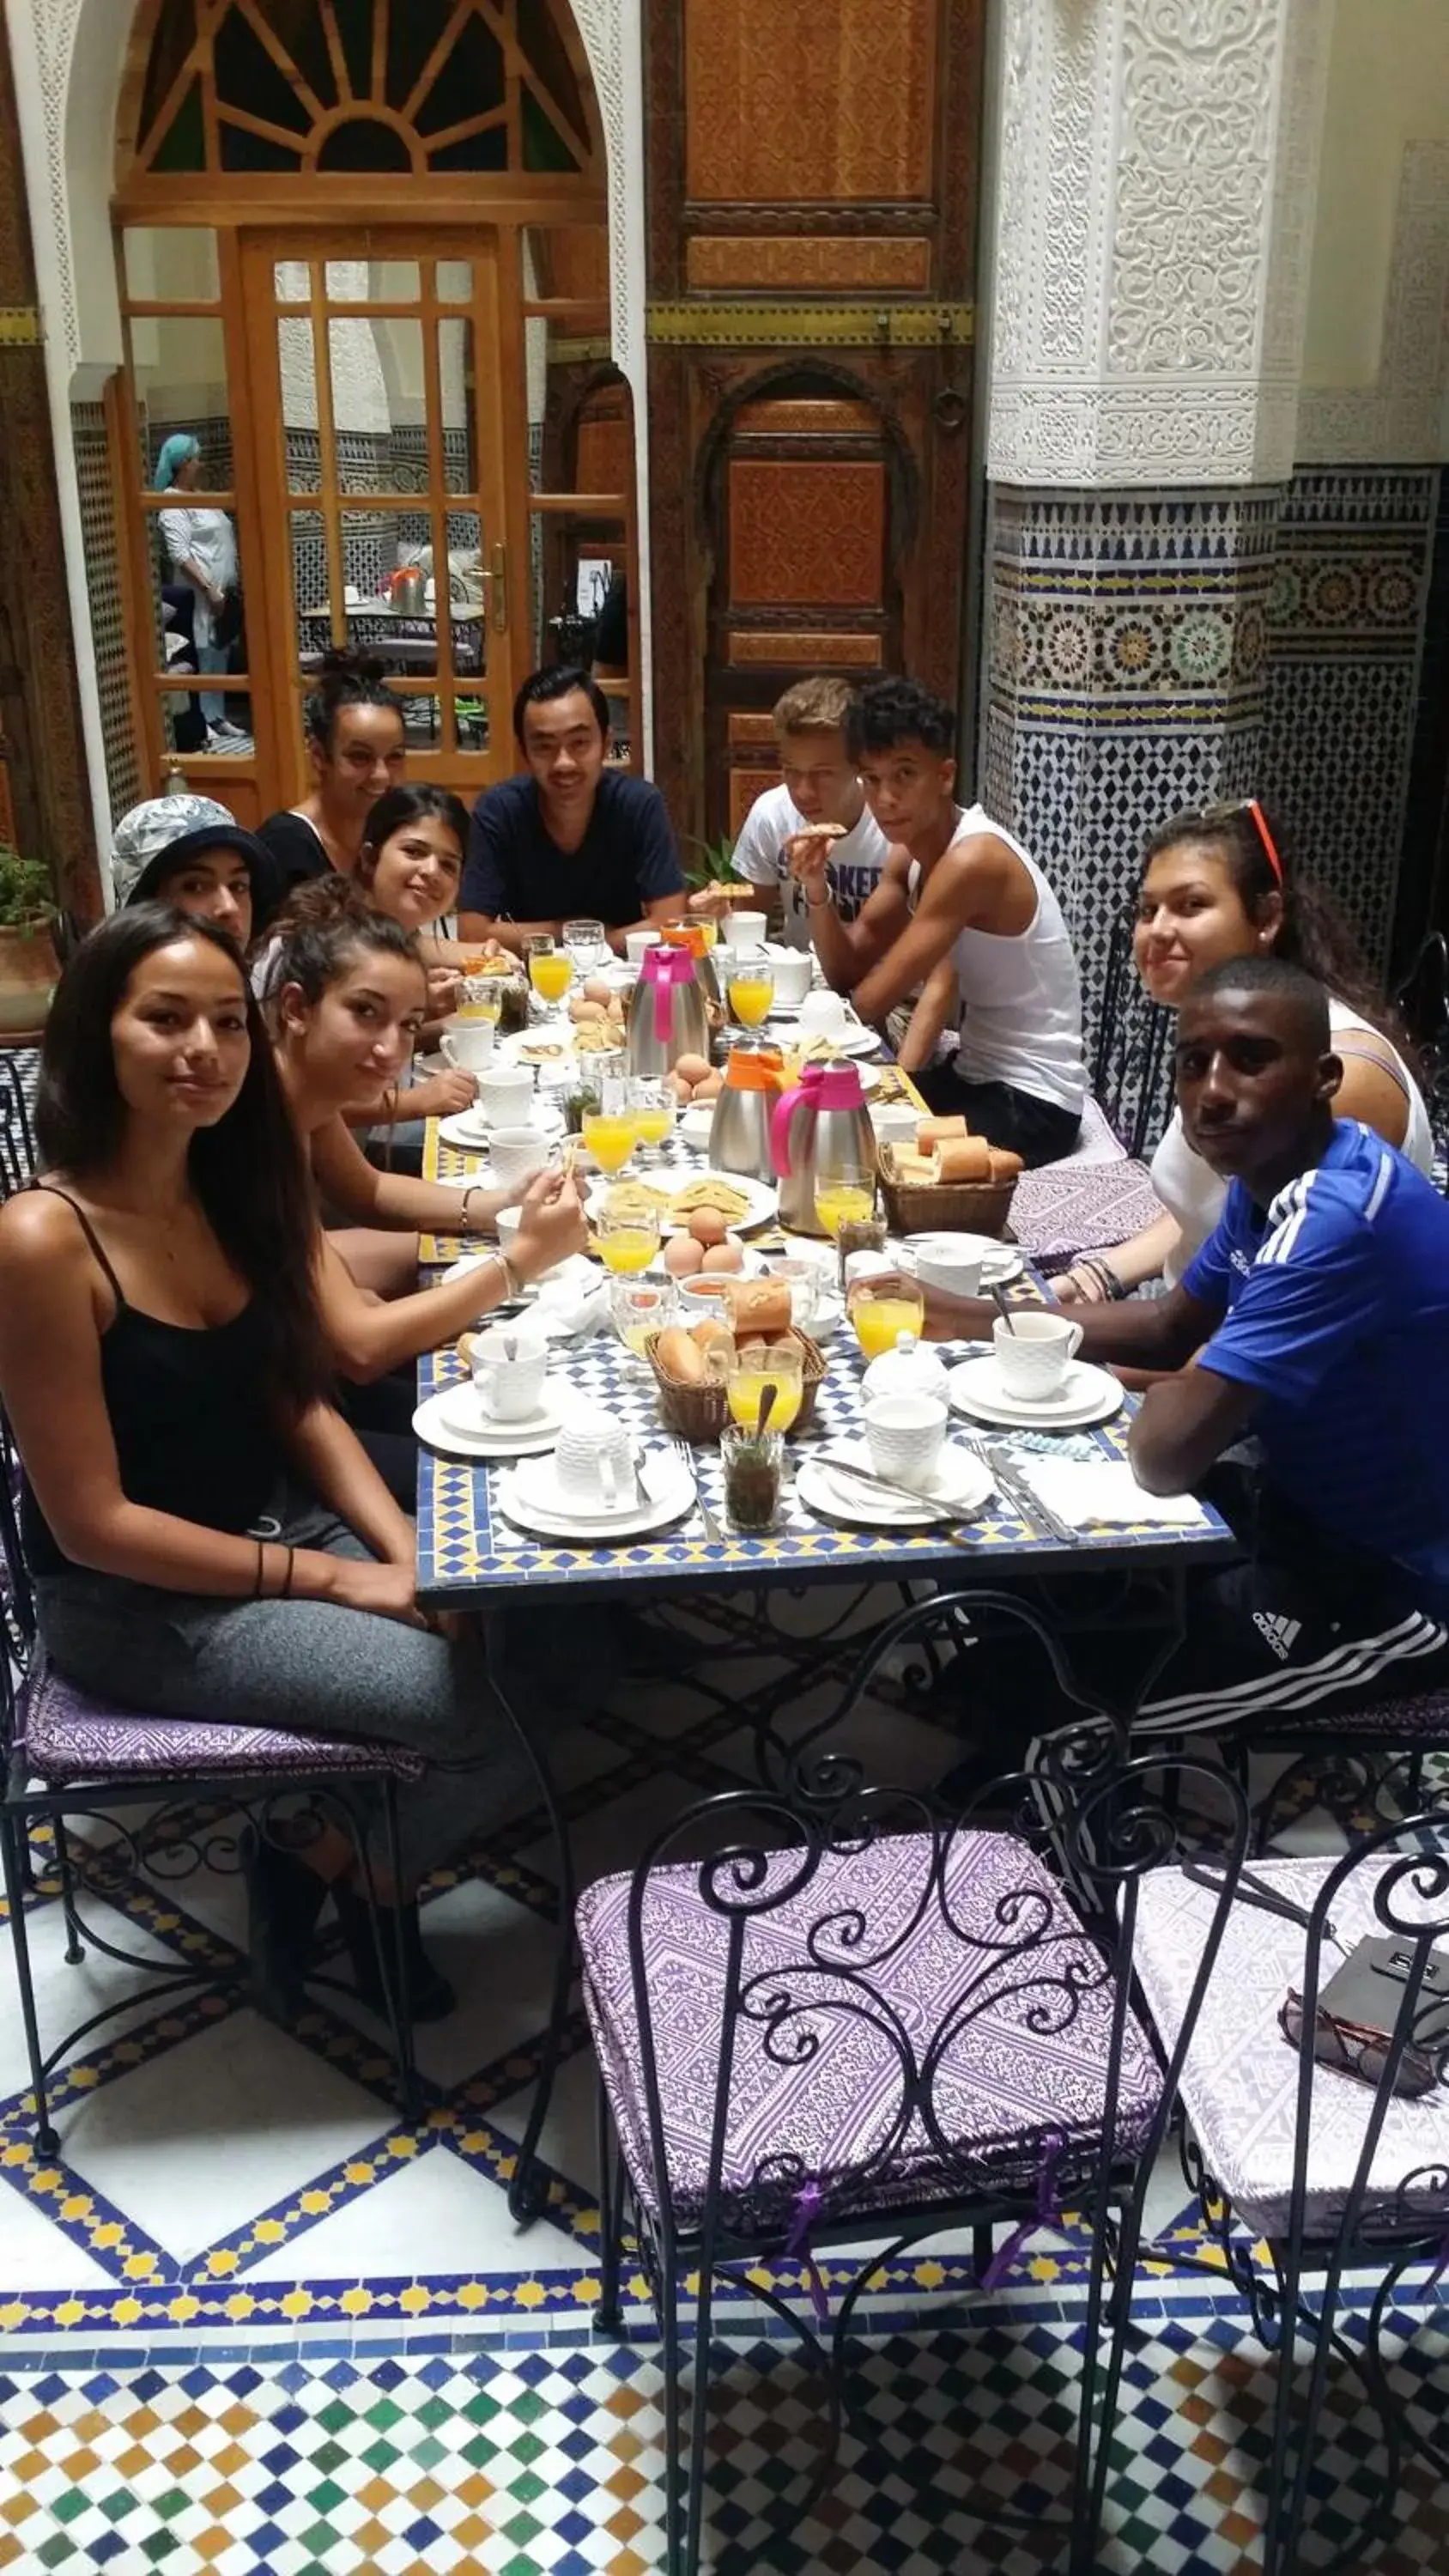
{"type": "Point", "coordinates": [472, 1558]}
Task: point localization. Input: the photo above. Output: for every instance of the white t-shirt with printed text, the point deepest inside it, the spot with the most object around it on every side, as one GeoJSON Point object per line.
{"type": "Point", "coordinates": [855, 862]}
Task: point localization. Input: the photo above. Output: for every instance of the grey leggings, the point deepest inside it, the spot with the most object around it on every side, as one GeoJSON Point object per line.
{"type": "Point", "coordinates": [311, 1665]}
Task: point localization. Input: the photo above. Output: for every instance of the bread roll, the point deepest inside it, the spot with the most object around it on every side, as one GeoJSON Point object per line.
{"type": "Point", "coordinates": [1004, 1166]}
{"type": "Point", "coordinates": [680, 1356]}
{"type": "Point", "coordinates": [915, 1169]}
{"type": "Point", "coordinates": [716, 1342]}
{"type": "Point", "coordinates": [934, 1131]}
{"type": "Point", "coordinates": [964, 1158]}
{"type": "Point", "coordinates": [760, 1306]}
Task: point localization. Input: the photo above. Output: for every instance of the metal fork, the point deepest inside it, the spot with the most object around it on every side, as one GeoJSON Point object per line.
{"type": "Point", "coordinates": [685, 1455]}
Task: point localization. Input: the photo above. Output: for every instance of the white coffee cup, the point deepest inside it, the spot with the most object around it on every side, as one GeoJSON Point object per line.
{"type": "Point", "coordinates": [468, 1044]}
{"type": "Point", "coordinates": [637, 944]}
{"type": "Point", "coordinates": [905, 1434]}
{"type": "Point", "coordinates": [509, 1365]}
{"type": "Point", "coordinates": [895, 1122]}
{"type": "Point", "coordinates": [794, 971]}
{"type": "Point", "coordinates": [807, 1285]}
{"type": "Point", "coordinates": [594, 1460]}
{"type": "Point", "coordinates": [1033, 1350]}
{"type": "Point", "coordinates": [822, 1015]}
{"type": "Point", "coordinates": [505, 1094]}
{"type": "Point", "coordinates": [515, 1154]}
{"type": "Point", "coordinates": [743, 930]}
{"type": "Point", "coordinates": [943, 1262]}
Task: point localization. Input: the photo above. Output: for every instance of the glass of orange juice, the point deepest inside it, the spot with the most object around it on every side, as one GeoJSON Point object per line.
{"type": "Point", "coordinates": [609, 1136]}
{"type": "Point", "coordinates": [761, 1364]}
{"type": "Point", "coordinates": [652, 1106]}
{"type": "Point", "coordinates": [627, 1243]}
{"type": "Point", "coordinates": [550, 968]}
{"type": "Point", "coordinates": [883, 1307]}
{"type": "Point", "coordinates": [751, 989]}
{"type": "Point", "coordinates": [843, 1198]}
{"type": "Point", "coordinates": [640, 1307]}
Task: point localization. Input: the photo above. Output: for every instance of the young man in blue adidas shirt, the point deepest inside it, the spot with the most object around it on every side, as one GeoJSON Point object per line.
{"type": "Point", "coordinates": [1315, 1320]}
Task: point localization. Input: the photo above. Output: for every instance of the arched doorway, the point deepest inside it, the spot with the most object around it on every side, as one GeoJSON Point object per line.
{"type": "Point", "coordinates": [354, 237]}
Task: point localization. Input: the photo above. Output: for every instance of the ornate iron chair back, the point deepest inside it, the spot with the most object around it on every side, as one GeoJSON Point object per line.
{"type": "Point", "coordinates": [1132, 1059]}
{"type": "Point", "coordinates": [798, 1996]}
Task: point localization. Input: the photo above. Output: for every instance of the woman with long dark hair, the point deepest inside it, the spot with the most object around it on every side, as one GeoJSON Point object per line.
{"type": "Point", "coordinates": [347, 996]}
{"type": "Point", "coordinates": [355, 742]}
{"type": "Point", "coordinates": [409, 869]}
{"type": "Point", "coordinates": [204, 1530]}
{"type": "Point", "coordinates": [1217, 885]}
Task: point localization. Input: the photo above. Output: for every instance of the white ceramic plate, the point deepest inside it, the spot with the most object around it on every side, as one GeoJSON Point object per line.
{"type": "Point", "coordinates": [668, 1487]}
{"type": "Point", "coordinates": [999, 1261]}
{"type": "Point", "coordinates": [435, 1426]}
{"type": "Point", "coordinates": [1086, 1395]}
{"type": "Point", "coordinates": [763, 1199]}
{"type": "Point", "coordinates": [853, 1039]}
{"type": "Point", "coordinates": [466, 1129]}
{"type": "Point", "coordinates": [959, 1486]}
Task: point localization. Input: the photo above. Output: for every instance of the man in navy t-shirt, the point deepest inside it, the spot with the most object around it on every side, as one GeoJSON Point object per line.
{"type": "Point", "coordinates": [573, 840]}
{"type": "Point", "coordinates": [1316, 1321]}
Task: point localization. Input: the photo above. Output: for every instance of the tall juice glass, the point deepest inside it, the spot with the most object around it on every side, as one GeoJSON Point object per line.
{"type": "Point", "coordinates": [843, 1199]}
{"type": "Point", "coordinates": [761, 1364]}
{"type": "Point", "coordinates": [627, 1244]}
{"type": "Point", "coordinates": [609, 1136]}
{"type": "Point", "coordinates": [884, 1307]}
{"type": "Point", "coordinates": [551, 973]}
{"type": "Point", "coordinates": [751, 989]}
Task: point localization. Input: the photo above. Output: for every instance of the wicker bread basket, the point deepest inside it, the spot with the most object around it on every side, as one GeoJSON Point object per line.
{"type": "Point", "coordinates": [944, 1207]}
{"type": "Point", "coordinates": [699, 1411]}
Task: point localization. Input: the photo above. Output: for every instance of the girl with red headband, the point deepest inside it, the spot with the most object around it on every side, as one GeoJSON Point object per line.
{"type": "Point", "coordinates": [1215, 886]}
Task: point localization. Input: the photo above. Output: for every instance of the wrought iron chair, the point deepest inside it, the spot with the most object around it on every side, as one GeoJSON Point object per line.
{"type": "Point", "coordinates": [1332, 2171]}
{"type": "Point", "coordinates": [65, 1755]}
{"type": "Point", "coordinates": [830, 2012]}
{"type": "Point", "coordinates": [1132, 1061]}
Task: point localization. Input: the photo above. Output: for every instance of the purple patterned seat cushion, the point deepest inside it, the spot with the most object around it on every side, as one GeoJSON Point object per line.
{"type": "Point", "coordinates": [1240, 2078]}
{"type": "Point", "coordinates": [69, 1736]}
{"type": "Point", "coordinates": [1067, 1208]}
{"type": "Point", "coordinates": [969, 1971]}
{"type": "Point", "coordinates": [1424, 1719]}
{"type": "Point", "coordinates": [1097, 1143]}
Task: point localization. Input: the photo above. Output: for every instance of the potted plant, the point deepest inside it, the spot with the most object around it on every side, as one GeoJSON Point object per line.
{"type": "Point", "coordinates": [27, 948]}
{"type": "Point", "coordinates": [715, 864]}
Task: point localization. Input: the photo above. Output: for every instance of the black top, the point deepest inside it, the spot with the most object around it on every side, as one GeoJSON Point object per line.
{"type": "Point", "coordinates": [295, 847]}
{"type": "Point", "coordinates": [517, 872]}
{"type": "Point", "coordinates": [188, 1413]}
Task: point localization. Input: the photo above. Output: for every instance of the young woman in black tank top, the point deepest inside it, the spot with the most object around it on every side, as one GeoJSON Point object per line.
{"type": "Point", "coordinates": [164, 1369]}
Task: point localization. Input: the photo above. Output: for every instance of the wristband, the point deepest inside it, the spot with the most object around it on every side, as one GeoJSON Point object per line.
{"type": "Point", "coordinates": [512, 1284]}
{"type": "Point", "coordinates": [471, 1192]}
{"type": "Point", "coordinates": [820, 903]}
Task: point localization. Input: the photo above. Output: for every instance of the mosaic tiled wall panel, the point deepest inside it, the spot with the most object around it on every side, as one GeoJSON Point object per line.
{"type": "Point", "coordinates": [1157, 650]}
{"type": "Point", "coordinates": [1346, 623]}
{"type": "Point", "coordinates": [1127, 664]}
{"type": "Point", "coordinates": [108, 623]}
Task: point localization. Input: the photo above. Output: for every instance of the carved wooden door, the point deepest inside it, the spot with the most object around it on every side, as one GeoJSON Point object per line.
{"type": "Point", "coordinates": [803, 572]}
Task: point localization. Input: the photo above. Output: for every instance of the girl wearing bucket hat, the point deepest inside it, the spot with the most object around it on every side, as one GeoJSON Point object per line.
{"type": "Point", "coordinates": [190, 851]}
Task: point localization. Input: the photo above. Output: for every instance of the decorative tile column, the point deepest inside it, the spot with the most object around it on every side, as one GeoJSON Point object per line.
{"type": "Point", "coordinates": [1157, 166]}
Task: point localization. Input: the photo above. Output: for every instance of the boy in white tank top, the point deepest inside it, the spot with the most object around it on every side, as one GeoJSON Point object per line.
{"type": "Point", "coordinates": [964, 910]}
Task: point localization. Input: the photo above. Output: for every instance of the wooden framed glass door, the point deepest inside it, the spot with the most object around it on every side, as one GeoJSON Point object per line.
{"type": "Point", "coordinates": [385, 471]}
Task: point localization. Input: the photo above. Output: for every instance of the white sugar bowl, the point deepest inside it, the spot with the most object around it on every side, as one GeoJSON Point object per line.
{"type": "Point", "coordinates": [910, 1369]}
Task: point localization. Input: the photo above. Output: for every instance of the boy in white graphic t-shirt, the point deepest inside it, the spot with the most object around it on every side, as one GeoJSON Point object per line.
{"type": "Point", "coordinates": [818, 784]}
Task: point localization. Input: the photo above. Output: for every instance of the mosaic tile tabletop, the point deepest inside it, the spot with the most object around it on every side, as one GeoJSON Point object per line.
{"type": "Point", "coordinates": [467, 1544]}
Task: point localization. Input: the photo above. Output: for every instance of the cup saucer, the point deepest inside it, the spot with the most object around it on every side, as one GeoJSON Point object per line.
{"type": "Point", "coordinates": [537, 1483]}
{"type": "Point", "coordinates": [461, 1408]}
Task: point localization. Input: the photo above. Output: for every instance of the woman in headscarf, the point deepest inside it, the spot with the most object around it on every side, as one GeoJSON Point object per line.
{"type": "Point", "coordinates": [201, 549]}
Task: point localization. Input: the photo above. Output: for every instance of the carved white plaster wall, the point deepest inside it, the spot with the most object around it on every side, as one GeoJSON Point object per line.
{"type": "Point", "coordinates": [1403, 417]}
{"type": "Point", "coordinates": [1158, 163]}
